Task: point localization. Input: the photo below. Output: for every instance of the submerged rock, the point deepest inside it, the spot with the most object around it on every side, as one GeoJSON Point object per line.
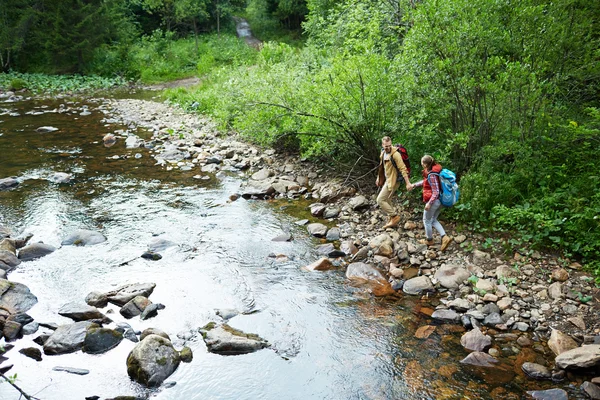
{"type": "Point", "coordinates": [536, 371]}
{"type": "Point", "coordinates": [84, 237]}
{"type": "Point", "coordinates": [8, 183]}
{"type": "Point", "coordinates": [475, 340]}
{"type": "Point", "coordinates": [152, 361]}
{"type": "Point", "coordinates": [550, 394]}
{"type": "Point", "coordinates": [226, 340]}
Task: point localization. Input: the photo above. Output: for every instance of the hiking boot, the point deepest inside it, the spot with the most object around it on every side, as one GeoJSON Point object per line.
{"type": "Point", "coordinates": [445, 242]}
{"type": "Point", "coordinates": [426, 241]}
{"type": "Point", "coordinates": [393, 222]}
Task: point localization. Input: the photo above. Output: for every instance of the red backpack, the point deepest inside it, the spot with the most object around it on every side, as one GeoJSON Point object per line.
{"type": "Point", "coordinates": [404, 154]}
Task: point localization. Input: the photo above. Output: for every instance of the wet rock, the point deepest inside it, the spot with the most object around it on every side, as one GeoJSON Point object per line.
{"type": "Point", "coordinates": [359, 270]}
{"type": "Point", "coordinates": [41, 339]}
{"type": "Point", "coordinates": [9, 259]}
{"type": "Point", "coordinates": [186, 355]}
{"type": "Point", "coordinates": [158, 244]}
{"type": "Point", "coordinates": [424, 331]}
{"type": "Point", "coordinates": [21, 318]}
{"type": "Point", "coordinates": [30, 328]}
{"type": "Point", "coordinates": [479, 359]}
{"type": "Point", "coordinates": [536, 371]}
{"type": "Point", "coordinates": [150, 255]}
{"type": "Point", "coordinates": [361, 254]}
{"type": "Point", "coordinates": [151, 311]}
{"type": "Point", "coordinates": [46, 129]}
{"type": "Point", "coordinates": [8, 183]}
{"type": "Point", "coordinates": [67, 338]}
{"type": "Point", "coordinates": [154, 331]}
{"type": "Point", "coordinates": [322, 264]}
{"type": "Point", "coordinates": [258, 190]}
{"type": "Point", "coordinates": [302, 222]}
{"type": "Point", "coordinates": [101, 340]}
{"type": "Point", "coordinates": [126, 293]}
{"type": "Point", "coordinates": [475, 340]}
{"type": "Point", "coordinates": [331, 212]}
{"type": "Point", "coordinates": [134, 307]}
{"type": "Point", "coordinates": [70, 370]}
{"type": "Point", "coordinates": [550, 394]}
{"type": "Point", "coordinates": [81, 312]}
{"type": "Point", "coordinates": [11, 330]}
{"type": "Point", "coordinates": [84, 237]}
{"type": "Point", "coordinates": [284, 237]}
{"type": "Point", "coordinates": [325, 249]}
{"type": "Point", "coordinates": [317, 229]}
{"type": "Point", "coordinates": [591, 389]}
{"type": "Point", "coordinates": [8, 245]}
{"type": "Point", "coordinates": [96, 299]}
{"type": "Point", "coordinates": [35, 251]}
{"type": "Point", "coordinates": [32, 352]}
{"type": "Point", "coordinates": [60, 177]}
{"type": "Point", "coordinates": [451, 276]}
{"type": "Point", "coordinates": [446, 315]}
{"type": "Point", "coordinates": [586, 356]}
{"type": "Point", "coordinates": [417, 285]}
{"type": "Point", "coordinates": [560, 342]}
{"type": "Point", "coordinates": [152, 361]}
{"type": "Point", "coordinates": [226, 340]}
{"type": "Point", "coordinates": [493, 319]}
{"type": "Point", "coordinates": [15, 297]}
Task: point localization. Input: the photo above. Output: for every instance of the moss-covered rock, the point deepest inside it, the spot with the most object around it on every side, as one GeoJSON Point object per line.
{"type": "Point", "coordinates": [152, 361]}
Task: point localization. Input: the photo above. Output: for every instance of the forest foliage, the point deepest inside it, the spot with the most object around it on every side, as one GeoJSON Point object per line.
{"type": "Point", "coordinates": [504, 92]}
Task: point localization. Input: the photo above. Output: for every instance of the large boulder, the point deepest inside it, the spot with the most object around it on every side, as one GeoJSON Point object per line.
{"type": "Point", "coordinates": [84, 237]}
{"type": "Point", "coordinates": [587, 356]}
{"type": "Point", "coordinates": [68, 338]}
{"type": "Point", "coordinates": [226, 340]}
{"type": "Point", "coordinates": [35, 251]}
{"type": "Point", "coordinates": [451, 276]}
{"type": "Point", "coordinates": [125, 293]}
{"type": "Point", "coordinates": [15, 297]}
{"type": "Point", "coordinates": [9, 259]}
{"type": "Point", "coordinates": [101, 340]}
{"type": "Point", "coordinates": [81, 312]}
{"type": "Point", "coordinates": [152, 361]}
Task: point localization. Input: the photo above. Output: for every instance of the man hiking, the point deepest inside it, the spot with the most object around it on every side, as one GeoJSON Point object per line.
{"type": "Point", "coordinates": [390, 165]}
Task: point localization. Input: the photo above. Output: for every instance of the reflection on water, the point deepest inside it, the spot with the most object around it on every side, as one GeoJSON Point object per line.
{"type": "Point", "coordinates": [329, 340]}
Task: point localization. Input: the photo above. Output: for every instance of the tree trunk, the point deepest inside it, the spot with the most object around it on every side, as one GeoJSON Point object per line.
{"type": "Point", "coordinates": [196, 35]}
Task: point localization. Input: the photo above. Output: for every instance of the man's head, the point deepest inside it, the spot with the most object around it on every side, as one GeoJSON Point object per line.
{"type": "Point", "coordinates": [386, 143]}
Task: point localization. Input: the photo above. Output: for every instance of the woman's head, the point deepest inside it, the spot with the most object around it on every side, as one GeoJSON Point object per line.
{"type": "Point", "coordinates": [427, 161]}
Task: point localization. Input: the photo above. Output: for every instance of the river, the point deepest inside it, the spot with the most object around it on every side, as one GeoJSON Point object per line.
{"type": "Point", "coordinates": [329, 340]}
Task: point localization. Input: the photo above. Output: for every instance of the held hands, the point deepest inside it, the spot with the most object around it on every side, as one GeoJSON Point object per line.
{"type": "Point", "coordinates": [409, 186]}
{"type": "Point", "coordinates": [427, 206]}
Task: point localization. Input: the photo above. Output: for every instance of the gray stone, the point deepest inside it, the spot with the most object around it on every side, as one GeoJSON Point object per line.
{"type": "Point", "coordinates": [550, 394]}
{"type": "Point", "coordinates": [446, 315]}
{"type": "Point", "coordinates": [101, 340]}
{"type": "Point", "coordinates": [331, 212]}
{"type": "Point", "coordinates": [125, 293]}
{"type": "Point", "coordinates": [8, 258]}
{"type": "Point", "coordinates": [81, 312]}
{"type": "Point", "coordinates": [8, 183]}
{"type": "Point", "coordinates": [60, 177]}
{"type": "Point", "coordinates": [493, 319]}
{"type": "Point", "coordinates": [333, 234]}
{"type": "Point", "coordinates": [67, 338]}
{"type": "Point", "coordinates": [586, 356]}
{"type": "Point", "coordinates": [96, 299]}
{"type": "Point", "coordinates": [348, 247]}
{"type": "Point", "coordinates": [284, 237]}
{"type": "Point", "coordinates": [84, 237]}
{"type": "Point", "coordinates": [560, 342]}
{"type": "Point", "coordinates": [479, 359]}
{"type": "Point", "coordinates": [591, 389]}
{"type": "Point", "coordinates": [134, 307]}
{"type": "Point", "coordinates": [15, 297]}
{"type": "Point", "coordinates": [417, 285]}
{"type": "Point", "coordinates": [225, 340]}
{"type": "Point", "coordinates": [475, 340]}
{"type": "Point", "coordinates": [325, 249]}
{"type": "Point", "coordinates": [262, 174]}
{"type": "Point", "coordinates": [151, 311]}
{"type": "Point", "coordinates": [152, 361]}
{"type": "Point", "coordinates": [536, 371]}
{"type": "Point", "coordinates": [359, 270]}
{"type": "Point", "coordinates": [153, 331]}
{"type": "Point", "coordinates": [76, 371]}
{"type": "Point", "coordinates": [35, 251]}
{"type": "Point", "coordinates": [451, 276]}
{"type": "Point", "coordinates": [11, 330]}
{"type": "Point", "coordinates": [358, 203]}
{"type": "Point", "coordinates": [30, 328]}
{"type": "Point", "coordinates": [317, 229]}
{"type": "Point", "coordinates": [479, 257]}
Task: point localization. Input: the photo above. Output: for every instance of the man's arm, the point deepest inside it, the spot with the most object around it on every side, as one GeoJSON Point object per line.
{"type": "Point", "coordinates": [402, 167]}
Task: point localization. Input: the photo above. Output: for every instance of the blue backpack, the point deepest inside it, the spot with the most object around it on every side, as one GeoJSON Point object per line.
{"type": "Point", "coordinates": [449, 192]}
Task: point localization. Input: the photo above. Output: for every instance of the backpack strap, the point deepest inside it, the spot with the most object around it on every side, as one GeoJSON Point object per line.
{"type": "Point", "coordinates": [433, 173]}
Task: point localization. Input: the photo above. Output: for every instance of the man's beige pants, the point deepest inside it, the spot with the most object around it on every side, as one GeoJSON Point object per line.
{"type": "Point", "coordinates": [384, 200]}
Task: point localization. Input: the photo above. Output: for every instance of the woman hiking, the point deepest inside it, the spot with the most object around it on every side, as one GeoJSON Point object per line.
{"type": "Point", "coordinates": [431, 197]}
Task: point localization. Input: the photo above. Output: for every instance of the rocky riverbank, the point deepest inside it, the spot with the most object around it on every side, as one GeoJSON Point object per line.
{"type": "Point", "coordinates": [520, 306]}
{"type": "Point", "coordinates": [534, 309]}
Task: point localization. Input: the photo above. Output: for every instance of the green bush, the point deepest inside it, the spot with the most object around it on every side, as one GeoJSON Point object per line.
{"type": "Point", "coordinates": [17, 84]}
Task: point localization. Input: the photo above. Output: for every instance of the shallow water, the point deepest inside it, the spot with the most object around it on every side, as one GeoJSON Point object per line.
{"type": "Point", "coordinates": [329, 340]}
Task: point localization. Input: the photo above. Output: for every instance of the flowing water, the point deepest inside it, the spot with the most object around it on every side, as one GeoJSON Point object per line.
{"type": "Point", "coordinates": [329, 340]}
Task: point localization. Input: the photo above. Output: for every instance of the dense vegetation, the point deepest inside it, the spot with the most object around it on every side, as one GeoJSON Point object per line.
{"type": "Point", "coordinates": [504, 92]}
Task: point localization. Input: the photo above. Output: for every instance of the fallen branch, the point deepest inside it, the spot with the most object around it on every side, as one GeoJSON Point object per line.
{"type": "Point", "coordinates": [10, 382]}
